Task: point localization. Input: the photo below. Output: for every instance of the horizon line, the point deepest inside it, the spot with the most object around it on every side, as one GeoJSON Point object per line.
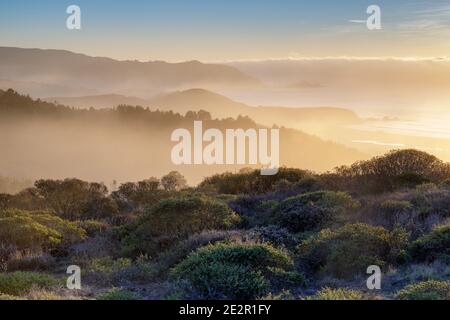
{"type": "Point", "coordinates": [275, 59]}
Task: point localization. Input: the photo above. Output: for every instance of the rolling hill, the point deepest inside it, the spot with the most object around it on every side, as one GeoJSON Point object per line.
{"type": "Point", "coordinates": [220, 107]}
{"type": "Point", "coordinates": [40, 139]}
{"type": "Point", "coordinates": [68, 69]}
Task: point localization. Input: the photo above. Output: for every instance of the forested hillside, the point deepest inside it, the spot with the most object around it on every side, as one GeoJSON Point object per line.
{"type": "Point", "coordinates": [125, 143]}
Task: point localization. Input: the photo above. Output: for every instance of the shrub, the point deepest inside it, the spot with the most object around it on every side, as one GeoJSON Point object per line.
{"type": "Point", "coordinates": [279, 237]}
{"type": "Point", "coordinates": [42, 294]}
{"type": "Point", "coordinates": [228, 281]}
{"type": "Point", "coordinates": [426, 187]}
{"type": "Point", "coordinates": [73, 198]}
{"type": "Point", "coordinates": [29, 261]}
{"type": "Point", "coordinates": [141, 271]}
{"type": "Point", "coordinates": [182, 249]}
{"type": "Point", "coordinates": [446, 184]}
{"type": "Point", "coordinates": [337, 294]}
{"type": "Point", "coordinates": [426, 290]}
{"type": "Point", "coordinates": [309, 184]}
{"type": "Point", "coordinates": [256, 210]}
{"type": "Point", "coordinates": [173, 181]}
{"type": "Point", "coordinates": [392, 211]}
{"type": "Point", "coordinates": [396, 169]}
{"type": "Point", "coordinates": [92, 227]}
{"type": "Point", "coordinates": [251, 182]}
{"type": "Point", "coordinates": [281, 278]}
{"type": "Point", "coordinates": [175, 219]}
{"type": "Point", "coordinates": [119, 294]}
{"type": "Point", "coordinates": [133, 195]}
{"type": "Point", "coordinates": [392, 207]}
{"type": "Point", "coordinates": [416, 211]}
{"type": "Point", "coordinates": [236, 271]}
{"type": "Point", "coordinates": [312, 210]}
{"type": "Point", "coordinates": [283, 295]}
{"type": "Point", "coordinates": [19, 282]}
{"type": "Point", "coordinates": [432, 246]}
{"type": "Point", "coordinates": [8, 297]}
{"type": "Point", "coordinates": [414, 272]}
{"type": "Point", "coordinates": [349, 250]}
{"type": "Point", "coordinates": [106, 270]}
{"type": "Point", "coordinates": [40, 229]}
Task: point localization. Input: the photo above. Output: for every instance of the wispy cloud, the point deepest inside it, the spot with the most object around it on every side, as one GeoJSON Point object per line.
{"type": "Point", "coordinates": [437, 12]}
{"type": "Point", "coordinates": [443, 59]}
{"type": "Point", "coordinates": [427, 22]}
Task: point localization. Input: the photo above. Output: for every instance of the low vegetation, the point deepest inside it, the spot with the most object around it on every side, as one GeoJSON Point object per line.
{"type": "Point", "coordinates": [296, 235]}
{"type": "Point", "coordinates": [426, 290]}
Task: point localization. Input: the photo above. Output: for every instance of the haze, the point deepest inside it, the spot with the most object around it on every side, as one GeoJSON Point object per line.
{"type": "Point", "coordinates": [341, 92]}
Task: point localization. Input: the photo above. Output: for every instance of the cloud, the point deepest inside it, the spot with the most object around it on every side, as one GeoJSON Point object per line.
{"type": "Point", "coordinates": [426, 22]}
{"type": "Point", "coordinates": [342, 58]}
{"type": "Point", "coordinates": [437, 12]}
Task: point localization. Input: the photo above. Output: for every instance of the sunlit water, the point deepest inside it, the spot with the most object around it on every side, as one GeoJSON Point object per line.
{"type": "Point", "coordinates": [421, 128]}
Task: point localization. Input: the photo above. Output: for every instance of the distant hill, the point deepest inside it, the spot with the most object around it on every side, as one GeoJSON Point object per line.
{"type": "Point", "coordinates": [40, 139]}
{"type": "Point", "coordinates": [221, 107]}
{"type": "Point", "coordinates": [40, 90]}
{"type": "Point", "coordinates": [68, 69]}
{"type": "Point", "coordinates": [196, 99]}
{"type": "Point", "coordinates": [99, 101]}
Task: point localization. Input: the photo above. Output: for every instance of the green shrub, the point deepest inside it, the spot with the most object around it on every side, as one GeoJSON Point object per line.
{"type": "Point", "coordinates": [26, 261]}
{"type": "Point", "coordinates": [279, 237]}
{"type": "Point", "coordinates": [282, 278]}
{"type": "Point", "coordinates": [106, 270]}
{"type": "Point", "coordinates": [250, 181]}
{"type": "Point", "coordinates": [426, 290]}
{"type": "Point", "coordinates": [8, 297]}
{"type": "Point", "coordinates": [74, 199]}
{"type": "Point", "coordinates": [312, 211]}
{"type": "Point", "coordinates": [142, 270]}
{"type": "Point", "coordinates": [42, 295]}
{"type": "Point", "coordinates": [432, 246]}
{"type": "Point", "coordinates": [416, 272]}
{"type": "Point", "coordinates": [392, 207]}
{"type": "Point", "coordinates": [259, 256]}
{"type": "Point", "coordinates": [232, 271]}
{"type": "Point", "coordinates": [175, 219]}
{"type": "Point", "coordinates": [182, 249]}
{"type": "Point", "coordinates": [393, 211]}
{"type": "Point", "coordinates": [40, 229]}
{"type": "Point", "coordinates": [92, 227]}
{"type": "Point", "coordinates": [446, 184]}
{"type": "Point", "coordinates": [283, 295]}
{"type": "Point", "coordinates": [426, 187]}
{"type": "Point", "coordinates": [396, 169]}
{"type": "Point", "coordinates": [19, 282]}
{"type": "Point", "coordinates": [108, 265]}
{"type": "Point", "coordinates": [349, 250]}
{"type": "Point", "coordinates": [221, 280]}
{"type": "Point", "coordinates": [431, 203]}
{"type": "Point", "coordinates": [119, 294]}
{"type": "Point", "coordinates": [337, 294]}
{"type": "Point", "coordinates": [309, 184]}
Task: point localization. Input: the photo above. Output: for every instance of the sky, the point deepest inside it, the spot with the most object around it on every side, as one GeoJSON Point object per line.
{"type": "Point", "coordinates": [229, 30]}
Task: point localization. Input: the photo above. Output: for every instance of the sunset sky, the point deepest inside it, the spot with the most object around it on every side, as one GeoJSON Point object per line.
{"type": "Point", "coordinates": [178, 30]}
